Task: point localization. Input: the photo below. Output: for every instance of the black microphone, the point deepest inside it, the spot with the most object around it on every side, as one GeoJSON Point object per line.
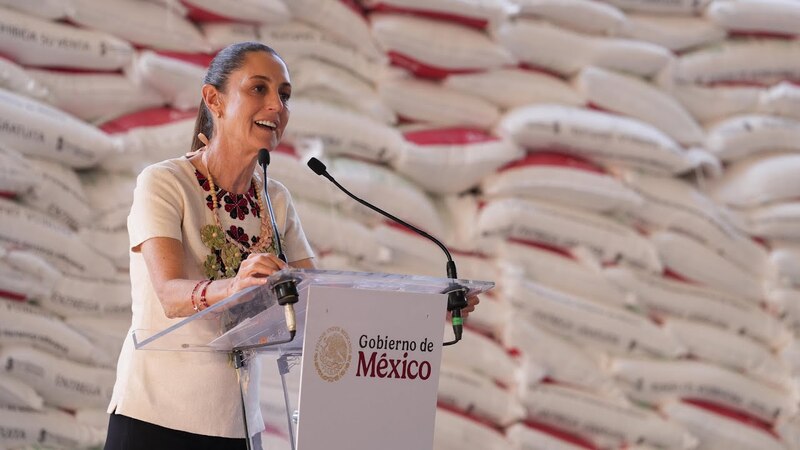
{"type": "Point", "coordinates": [285, 289]}
{"type": "Point", "coordinates": [456, 295]}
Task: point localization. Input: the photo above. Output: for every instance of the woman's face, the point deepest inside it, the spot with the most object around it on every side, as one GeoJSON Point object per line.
{"type": "Point", "coordinates": [254, 109]}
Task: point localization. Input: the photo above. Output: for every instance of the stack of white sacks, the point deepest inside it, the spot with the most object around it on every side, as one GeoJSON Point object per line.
{"type": "Point", "coordinates": [624, 170]}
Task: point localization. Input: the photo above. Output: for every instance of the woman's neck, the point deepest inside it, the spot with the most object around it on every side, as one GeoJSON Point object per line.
{"type": "Point", "coordinates": [230, 170]}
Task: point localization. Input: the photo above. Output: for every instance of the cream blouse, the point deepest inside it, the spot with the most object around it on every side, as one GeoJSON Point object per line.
{"type": "Point", "coordinates": [189, 391]}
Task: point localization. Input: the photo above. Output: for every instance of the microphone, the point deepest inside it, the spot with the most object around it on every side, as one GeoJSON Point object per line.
{"type": "Point", "coordinates": [456, 295]}
{"type": "Point", "coordinates": [285, 289]}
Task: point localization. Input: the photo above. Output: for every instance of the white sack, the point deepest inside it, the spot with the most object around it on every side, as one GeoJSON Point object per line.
{"type": "Point", "coordinates": [564, 361]}
{"type": "Point", "coordinates": [142, 23]}
{"type": "Point", "coordinates": [459, 213]}
{"type": "Point", "coordinates": [696, 261]}
{"type": "Point", "coordinates": [715, 431]}
{"type": "Point", "coordinates": [599, 136]}
{"type": "Point", "coordinates": [38, 129]}
{"type": "Point", "coordinates": [783, 99]}
{"type": "Point", "coordinates": [43, 236]}
{"type": "Point", "coordinates": [90, 296]}
{"type": "Point", "coordinates": [96, 97]}
{"type": "Point", "coordinates": [675, 205]}
{"type": "Point", "coordinates": [565, 52]}
{"type": "Point", "coordinates": [108, 192]}
{"type": "Point", "coordinates": [452, 160]}
{"type": "Point", "coordinates": [685, 7]}
{"type": "Point", "coordinates": [657, 382]}
{"type": "Point", "coordinates": [410, 252]}
{"type": "Point", "coordinates": [49, 429]}
{"type": "Point", "coordinates": [496, 314]}
{"type": "Point", "coordinates": [36, 42]}
{"type": "Point", "coordinates": [639, 99]}
{"type": "Point", "coordinates": [26, 276]}
{"type": "Point", "coordinates": [764, 16]}
{"type": "Point", "coordinates": [440, 45]}
{"type": "Point", "coordinates": [513, 87]}
{"type": "Point", "coordinates": [429, 102]}
{"type": "Point", "coordinates": [18, 174]}
{"type": "Point", "coordinates": [328, 230]}
{"type": "Point", "coordinates": [22, 324]}
{"type": "Point", "coordinates": [319, 80]}
{"type": "Point", "coordinates": [747, 135]}
{"type": "Point", "coordinates": [790, 431]}
{"type": "Point", "coordinates": [480, 13]}
{"type": "Point", "coordinates": [146, 145]}
{"type": "Point", "coordinates": [109, 241]}
{"type": "Point", "coordinates": [762, 61]}
{"type": "Point", "coordinates": [563, 227]}
{"type": "Point", "coordinates": [606, 423]}
{"type": "Point", "coordinates": [677, 33]}
{"type": "Point", "coordinates": [580, 15]}
{"type": "Point", "coordinates": [788, 301]}
{"type": "Point", "coordinates": [482, 356]}
{"type": "Point", "coordinates": [382, 186]}
{"type": "Point", "coordinates": [60, 382]}
{"type": "Point", "coordinates": [758, 181]}
{"type": "Point", "coordinates": [295, 40]}
{"type": "Point", "coordinates": [16, 79]}
{"type": "Point", "coordinates": [17, 394]}
{"type": "Point", "coordinates": [592, 324]}
{"type": "Point", "coordinates": [287, 167]}
{"type": "Point", "coordinates": [709, 343]}
{"type": "Point", "coordinates": [562, 179]}
{"type": "Point", "coordinates": [524, 437]}
{"type": "Point", "coordinates": [664, 297]}
{"type": "Point", "coordinates": [457, 432]}
{"type": "Point", "coordinates": [784, 264]}
{"type": "Point", "coordinates": [106, 333]}
{"type": "Point", "coordinates": [59, 193]}
{"type": "Point", "coordinates": [710, 104]}
{"type": "Point", "coordinates": [776, 221]}
{"type": "Point", "coordinates": [339, 20]}
{"type": "Point", "coordinates": [262, 11]}
{"type": "Point", "coordinates": [480, 396]}
{"type": "Point", "coordinates": [179, 82]}
{"type": "Point", "coordinates": [46, 9]}
{"type": "Point", "coordinates": [562, 272]}
{"type": "Point", "coordinates": [343, 132]}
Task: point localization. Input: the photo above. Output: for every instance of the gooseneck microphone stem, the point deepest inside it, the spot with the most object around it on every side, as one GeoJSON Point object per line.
{"type": "Point", "coordinates": [285, 289]}
{"type": "Point", "coordinates": [456, 294]}
{"type": "Point", "coordinates": [451, 266]}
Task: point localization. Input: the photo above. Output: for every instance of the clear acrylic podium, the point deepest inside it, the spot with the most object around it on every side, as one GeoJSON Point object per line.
{"type": "Point", "coordinates": [252, 323]}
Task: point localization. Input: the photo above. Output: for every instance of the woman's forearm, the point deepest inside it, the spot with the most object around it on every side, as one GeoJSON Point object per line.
{"type": "Point", "coordinates": [176, 295]}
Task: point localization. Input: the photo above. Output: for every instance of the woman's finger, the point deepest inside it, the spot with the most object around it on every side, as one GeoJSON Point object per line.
{"type": "Point", "coordinates": [263, 262]}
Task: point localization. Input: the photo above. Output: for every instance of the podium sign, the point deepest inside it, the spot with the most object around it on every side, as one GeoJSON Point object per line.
{"type": "Point", "coordinates": [370, 369]}
{"type": "Point", "coordinates": [369, 344]}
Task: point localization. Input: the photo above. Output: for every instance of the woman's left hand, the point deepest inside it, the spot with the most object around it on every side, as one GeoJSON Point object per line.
{"type": "Point", "coordinates": [472, 302]}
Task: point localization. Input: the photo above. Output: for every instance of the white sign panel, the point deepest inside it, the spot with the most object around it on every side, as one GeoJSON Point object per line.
{"type": "Point", "coordinates": [370, 369]}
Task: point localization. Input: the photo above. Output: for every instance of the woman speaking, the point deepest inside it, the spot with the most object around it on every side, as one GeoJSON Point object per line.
{"type": "Point", "coordinates": [199, 232]}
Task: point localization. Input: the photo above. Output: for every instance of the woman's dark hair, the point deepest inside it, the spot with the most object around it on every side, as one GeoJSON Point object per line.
{"type": "Point", "coordinates": [224, 63]}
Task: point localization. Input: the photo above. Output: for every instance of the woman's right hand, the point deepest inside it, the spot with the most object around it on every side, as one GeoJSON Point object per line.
{"type": "Point", "coordinates": [254, 271]}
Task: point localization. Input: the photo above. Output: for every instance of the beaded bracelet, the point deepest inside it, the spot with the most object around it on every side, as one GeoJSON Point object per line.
{"type": "Point", "coordinates": [194, 292]}
{"type": "Point", "coordinates": [203, 301]}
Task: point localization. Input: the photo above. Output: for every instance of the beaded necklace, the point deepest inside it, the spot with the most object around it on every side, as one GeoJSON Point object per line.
{"type": "Point", "coordinates": [231, 251]}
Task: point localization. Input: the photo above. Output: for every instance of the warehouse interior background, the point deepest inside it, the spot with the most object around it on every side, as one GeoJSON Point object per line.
{"type": "Point", "coordinates": [626, 171]}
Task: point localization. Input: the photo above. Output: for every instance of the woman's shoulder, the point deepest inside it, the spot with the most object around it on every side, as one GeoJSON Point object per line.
{"type": "Point", "coordinates": [175, 169]}
{"type": "Point", "coordinates": [278, 192]}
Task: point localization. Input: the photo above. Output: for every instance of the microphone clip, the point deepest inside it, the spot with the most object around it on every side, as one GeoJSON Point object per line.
{"type": "Point", "coordinates": [286, 291]}
{"type": "Point", "coordinates": [456, 298]}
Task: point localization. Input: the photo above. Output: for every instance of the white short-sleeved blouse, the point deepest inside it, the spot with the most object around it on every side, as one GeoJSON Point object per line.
{"type": "Point", "coordinates": [189, 391]}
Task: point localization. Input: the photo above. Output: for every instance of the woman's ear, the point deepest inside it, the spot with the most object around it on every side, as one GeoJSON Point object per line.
{"type": "Point", "coordinates": [212, 99]}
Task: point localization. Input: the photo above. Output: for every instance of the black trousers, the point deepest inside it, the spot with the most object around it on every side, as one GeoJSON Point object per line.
{"type": "Point", "coordinates": [125, 433]}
